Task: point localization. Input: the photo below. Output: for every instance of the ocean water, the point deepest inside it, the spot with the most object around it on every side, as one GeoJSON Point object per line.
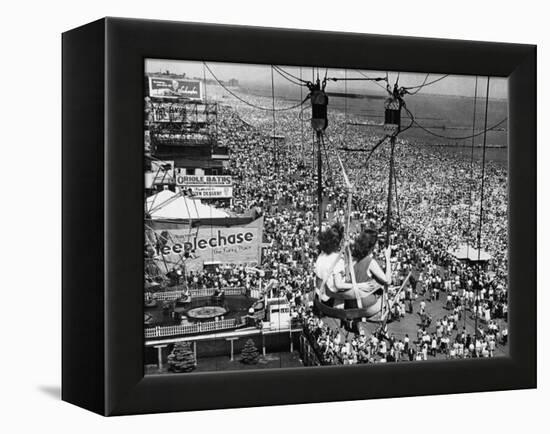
{"type": "Point", "coordinates": [449, 116]}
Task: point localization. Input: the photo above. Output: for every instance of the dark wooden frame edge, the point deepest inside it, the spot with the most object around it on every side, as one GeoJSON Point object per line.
{"type": "Point", "coordinates": [102, 314]}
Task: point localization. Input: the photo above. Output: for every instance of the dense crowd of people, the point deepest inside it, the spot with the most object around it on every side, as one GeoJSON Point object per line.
{"type": "Point", "coordinates": [447, 340]}
{"type": "Point", "coordinates": [436, 206]}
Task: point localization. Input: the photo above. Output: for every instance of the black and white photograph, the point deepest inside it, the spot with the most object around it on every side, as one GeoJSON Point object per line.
{"type": "Point", "coordinates": [283, 217]}
{"type": "Point", "coordinates": [312, 216]}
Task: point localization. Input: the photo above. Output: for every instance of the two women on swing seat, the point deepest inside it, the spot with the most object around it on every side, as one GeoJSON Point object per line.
{"type": "Point", "coordinates": [335, 288]}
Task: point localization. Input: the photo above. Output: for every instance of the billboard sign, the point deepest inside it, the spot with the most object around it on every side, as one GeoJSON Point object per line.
{"type": "Point", "coordinates": [162, 172]}
{"type": "Point", "coordinates": [207, 186]}
{"type": "Point", "coordinates": [168, 112]}
{"type": "Point", "coordinates": [197, 180]}
{"type": "Point", "coordinates": [211, 191]}
{"type": "Point", "coordinates": [166, 87]}
{"type": "Point", "coordinates": [238, 244]}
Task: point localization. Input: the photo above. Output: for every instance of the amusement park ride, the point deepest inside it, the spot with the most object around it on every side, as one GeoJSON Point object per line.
{"type": "Point", "coordinates": [376, 304]}
{"type": "Point", "coordinates": [373, 305]}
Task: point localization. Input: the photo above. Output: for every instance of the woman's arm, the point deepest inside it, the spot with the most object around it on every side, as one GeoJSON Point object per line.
{"type": "Point", "coordinates": [381, 276]}
{"type": "Point", "coordinates": [341, 285]}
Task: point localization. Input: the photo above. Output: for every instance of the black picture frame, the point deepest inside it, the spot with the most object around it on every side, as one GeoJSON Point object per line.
{"type": "Point", "coordinates": [103, 69]}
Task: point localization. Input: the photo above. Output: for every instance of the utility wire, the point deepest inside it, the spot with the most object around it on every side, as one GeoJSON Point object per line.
{"type": "Point", "coordinates": [330, 172]}
{"type": "Point", "coordinates": [370, 151]}
{"type": "Point", "coordinates": [483, 176]}
{"type": "Point", "coordinates": [275, 146]}
{"type": "Point", "coordinates": [421, 86]}
{"type": "Point", "coordinates": [249, 103]}
{"type": "Point", "coordinates": [375, 79]}
{"type": "Point", "coordinates": [345, 105]}
{"type": "Point", "coordinates": [412, 119]}
{"type": "Point", "coordinates": [302, 123]}
{"type": "Point", "coordinates": [425, 84]}
{"type": "Point", "coordinates": [287, 78]}
{"type": "Point", "coordinates": [284, 71]}
{"type": "Point", "coordinates": [376, 82]}
{"type": "Point", "coordinates": [476, 304]}
{"type": "Point", "coordinates": [471, 173]}
{"type": "Point", "coordinates": [462, 137]}
{"type": "Point", "coordinates": [398, 208]}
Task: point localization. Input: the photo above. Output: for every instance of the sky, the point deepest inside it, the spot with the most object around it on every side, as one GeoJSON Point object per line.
{"type": "Point", "coordinates": [456, 85]}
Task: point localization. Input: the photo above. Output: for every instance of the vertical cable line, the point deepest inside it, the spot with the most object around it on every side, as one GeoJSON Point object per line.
{"type": "Point", "coordinates": [275, 150]}
{"type": "Point", "coordinates": [148, 211]}
{"type": "Point", "coordinates": [302, 123]}
{"type": "Point", "coordinates": [476, 303]}
{"type": "Point", "coordinates": [345, 104]}
{"type": "Point", "coordinates": [384, 314]}
{"type": "Point", "coordinates": [471, 173]}
{"type": "Point", "coordinates": [483, 173]}
{"type": "Point", "coordinates": [313, 161]}
{"type": "Point", "coordinates": [345, 109]}
{"type": "Point", "coordinates": [397, 207]}
{"type": "Point", "coordinates": [329, 168]}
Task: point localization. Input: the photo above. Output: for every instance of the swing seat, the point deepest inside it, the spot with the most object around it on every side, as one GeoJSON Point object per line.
{"type": "Point", "coordinates": [370, 312]}
{"type": "Point", "coordinates": [349, 294]}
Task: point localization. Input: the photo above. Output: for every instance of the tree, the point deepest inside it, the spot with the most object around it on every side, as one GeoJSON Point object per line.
{"type": "Point", "coordinates": [250, 353]}
{"type": "Point", "coordinates": [182, 358]}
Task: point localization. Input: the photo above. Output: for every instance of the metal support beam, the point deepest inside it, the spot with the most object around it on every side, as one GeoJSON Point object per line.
{"type": "Point", "coordinates": [383, 314]}
{"type": "Point", "coordinates": [159, 356]}
{"type": "Point", "coordinates": [231, 340]}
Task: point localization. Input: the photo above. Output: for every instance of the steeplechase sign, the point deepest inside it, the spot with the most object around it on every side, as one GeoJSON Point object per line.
{"type": "Point", "coordinates": [166, 87]}
{"type": "Point", "coordinates": [238, 244]}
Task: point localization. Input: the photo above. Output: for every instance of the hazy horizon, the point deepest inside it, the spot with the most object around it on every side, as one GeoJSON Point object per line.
{"type": "Point", "coordinates": [260, 75]}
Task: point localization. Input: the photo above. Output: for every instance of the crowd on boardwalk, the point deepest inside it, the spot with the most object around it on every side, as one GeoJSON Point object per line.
{"type": "Point", "coordinates": [383, 348]}
{"type": "Point", "coordinates": [442, 338]}
{"type": "Point", "coordinates": [437, 208]}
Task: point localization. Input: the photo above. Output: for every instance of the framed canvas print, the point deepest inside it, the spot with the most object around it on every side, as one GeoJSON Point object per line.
{"type": "Point", "coordinates": [262, 216]}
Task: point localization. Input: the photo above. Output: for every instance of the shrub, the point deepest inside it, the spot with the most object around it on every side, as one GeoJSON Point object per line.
{"type": "Point", "coordinates": [250, 353]}
{"type": "Point", "coordinates": [182, 358]}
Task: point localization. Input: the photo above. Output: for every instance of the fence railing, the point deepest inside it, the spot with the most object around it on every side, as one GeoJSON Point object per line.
{"type": "Point", "coordinates": [165, 296]}
{"type": "Point", "coordinates": [166, 331]}
{"type": "Point", "coordinates": [208, 292]}
{"type": "Point", "coordinates": [201, 292]}
{"type": "Point", "coordinates": [255, 293]}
